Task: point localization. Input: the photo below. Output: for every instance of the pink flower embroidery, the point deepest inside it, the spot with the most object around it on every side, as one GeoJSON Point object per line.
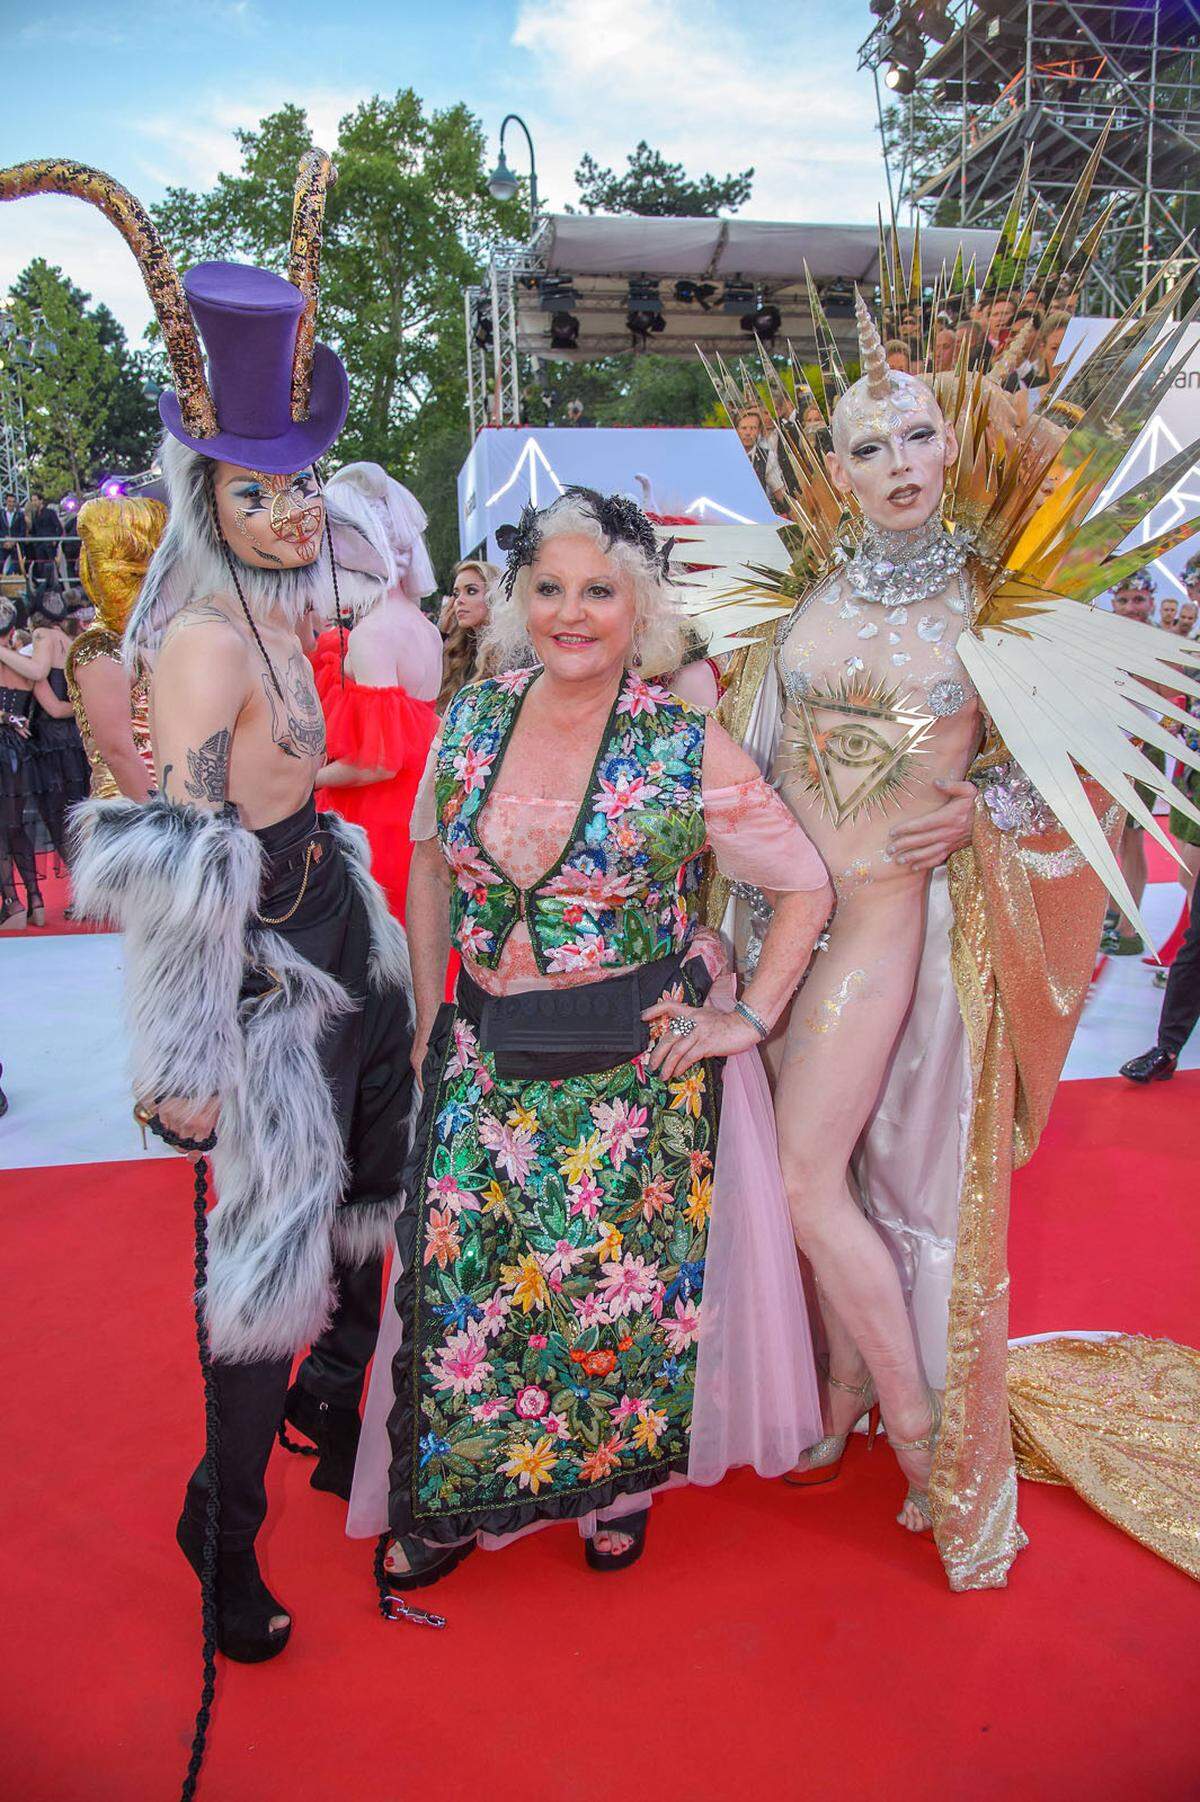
{"type": "Point", "coordinates": [453, 1198]}
{"type": "Point", "coordinates": [491, 1409]}
{"type": "Point", "coordinates": [628, 1285]}
{"type": "Point", "coordinates": [461, 1365]}
{"type": "Point", "coordinates": [466, 1049]}
{"type": "Point", "coordinates": [512, 681]}
{"type": "Point", "coordinates": [621, 1125]}
{"type": "Point", "coordinates": [626, 1409]}
{"type": "Point", "coordinates": [468, 867]}
{"type": "Point", "coordinates": [474, 939]}
{"type": "Point", "coordinates": [684, 1329]}
{"type": "Point", "coordinates": [626, 793]}
{"type": "Point", "coordinates": [592, 888]}
{"type": "Point", "coordinates": [581, 954]}
{"type": "Point", "coordinates": [532, 1402]}
{"type": "Point", "coordinates": [641, 697]}
{"type": "Point", "coordinates": [471, 769]}
{"type": "Point", "coordinates": [586, 1197]}
{"type": "Point", "coordinates": [511, 1146]}
{"type": "Point", "coordinates": [496, 1310]}
{"type": "Point", "coordinates": [590, 1309]}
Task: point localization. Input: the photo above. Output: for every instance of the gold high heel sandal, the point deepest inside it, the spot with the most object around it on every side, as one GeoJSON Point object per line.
{"type": "Point", "coordinates": [823, 1460]}
{"type": "Point", "coordinates": [920, 1497]}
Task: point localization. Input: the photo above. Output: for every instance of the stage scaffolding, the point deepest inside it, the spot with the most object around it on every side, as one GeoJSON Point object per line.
{"type": "Point", "coordinates": [1044, 77]}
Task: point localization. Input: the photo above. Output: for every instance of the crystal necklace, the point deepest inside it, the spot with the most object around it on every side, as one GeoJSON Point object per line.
{"type": "Point", "coordinates": [894, 569]}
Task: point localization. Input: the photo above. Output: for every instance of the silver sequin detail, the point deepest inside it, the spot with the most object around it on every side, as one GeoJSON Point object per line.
{"type": "Point", "coordinates": [903, 567]}
{"type": "Point", "coordinates": [946, 698]}
{"type": "Point", "coordinates": [797, 683]}
{"type": "Point", "coordinates": [930, 628]}
{"type": "Point", "coordinates": [900, 658]}
{"type": "Point", "coordinates": [1013, 802]}
{"type": "Point", "coordinates": [855, 663]}
{"type": "Point", "coordinates": [893, 638]}
{"type": "Point", "coordinates": [849, 610]}
{"type": "Point", "coordinates": [898, 616]}
{"type": "Point", "coordinates": [868, 631]}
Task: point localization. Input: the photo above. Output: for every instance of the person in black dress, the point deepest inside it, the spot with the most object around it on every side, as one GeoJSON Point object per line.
{"type": "Point", "coordinates": [59, 771]}
{"type": "Point", "coordinates": [16, 847]}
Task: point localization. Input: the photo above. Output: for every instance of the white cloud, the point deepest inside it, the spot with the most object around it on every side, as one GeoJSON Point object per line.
{"type": "Point", "coordinates": [709, 88]}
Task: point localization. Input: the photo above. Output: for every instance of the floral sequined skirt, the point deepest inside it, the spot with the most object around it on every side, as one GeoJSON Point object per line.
{"type": "Point", "coordinates": [552, 1269]}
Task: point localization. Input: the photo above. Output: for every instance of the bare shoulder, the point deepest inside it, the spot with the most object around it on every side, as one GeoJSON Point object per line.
{"type": "Point", "coordinates": [202, 649]}
{"type": "Point", "coordinates": [726, 764]}
{"type": "Point", "coordinates": [211, 614]}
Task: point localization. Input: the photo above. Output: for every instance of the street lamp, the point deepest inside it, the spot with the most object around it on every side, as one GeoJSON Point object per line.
{"type": "Point", "coordinates": [502, 183]}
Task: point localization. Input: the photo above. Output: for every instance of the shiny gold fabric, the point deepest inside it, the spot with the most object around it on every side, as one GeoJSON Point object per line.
{"type": "Point", "coordinates": [1117, 1419]}
{"type": "Point", "coordinates": [117, 539]}
{"type": "Point", "coordinates": [315, 176]}
{"type": "Point", "coordinates": [92, 646]}
{"type": "Point", "coordinates": [1027, 918]}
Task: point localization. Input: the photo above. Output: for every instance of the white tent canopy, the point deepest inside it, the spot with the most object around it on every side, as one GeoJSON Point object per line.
{"type": "Point", "coordinates": [756, 250]}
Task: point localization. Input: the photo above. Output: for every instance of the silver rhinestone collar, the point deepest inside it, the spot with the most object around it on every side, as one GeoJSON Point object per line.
{"type": "Point", "coordinates": [894, 569]}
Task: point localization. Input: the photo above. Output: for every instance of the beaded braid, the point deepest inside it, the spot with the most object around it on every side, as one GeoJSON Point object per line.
{"type": "Point", "coordinates": [231, 561]}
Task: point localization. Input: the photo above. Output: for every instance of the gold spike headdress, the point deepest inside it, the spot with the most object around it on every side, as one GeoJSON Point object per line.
{"type": "Point", "coordinates": [1068, 687]}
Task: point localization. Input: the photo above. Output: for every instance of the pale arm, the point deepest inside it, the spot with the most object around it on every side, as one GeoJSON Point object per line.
{"type": "Point", "coordinates": [34, 666]}
{"type": "Point", "coordinates": [427, 922]}
{"type": "Point", "coordinates": [104, 689]}
{"type": "Point", "coordinates": [46, 698]}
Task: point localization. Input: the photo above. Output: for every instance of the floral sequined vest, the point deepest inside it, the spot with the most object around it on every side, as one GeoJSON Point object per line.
{"type": "Point", "coordinates": [624, 888]}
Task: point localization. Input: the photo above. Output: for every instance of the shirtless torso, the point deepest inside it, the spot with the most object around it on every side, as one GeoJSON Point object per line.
{"type": "Point", "coordinates": [225, 726]}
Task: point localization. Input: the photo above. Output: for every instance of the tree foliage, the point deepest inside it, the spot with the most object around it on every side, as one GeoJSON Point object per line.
{"type": "Point", "coordinates": [408, 224]}
{"type": "Point", "coordinates": [87, 413]}
{"type": "Point", "coordinates": [655, 188]}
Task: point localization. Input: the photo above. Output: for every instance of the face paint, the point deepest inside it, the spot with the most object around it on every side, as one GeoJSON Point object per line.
{"type": "Point", "coordinates": [892, 452]}
{"type": "Point", "coordinates": [272, 521]}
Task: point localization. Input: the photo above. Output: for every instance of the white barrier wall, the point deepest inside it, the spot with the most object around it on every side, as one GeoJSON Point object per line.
{"type": "Point", "coordinates": [697, 471]}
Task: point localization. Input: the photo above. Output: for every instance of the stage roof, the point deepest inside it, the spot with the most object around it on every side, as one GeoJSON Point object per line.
{"type": "Point", "coordinates": [752, 249]}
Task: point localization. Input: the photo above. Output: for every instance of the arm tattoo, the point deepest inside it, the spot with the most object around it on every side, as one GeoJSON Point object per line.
{"type": "Point", "coordinates": [208, 768]}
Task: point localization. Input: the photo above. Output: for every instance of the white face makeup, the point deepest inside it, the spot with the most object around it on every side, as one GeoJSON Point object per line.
{"type": "Point", "coordinates": [581, 609]}
{"type": "Point", "coordinates": [270, 521]}
{"type": "Point", "coordinates": [892, 454]}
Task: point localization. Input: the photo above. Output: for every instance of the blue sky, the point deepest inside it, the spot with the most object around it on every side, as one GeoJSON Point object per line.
{"type": "Point", "coordinates": [152, 90]}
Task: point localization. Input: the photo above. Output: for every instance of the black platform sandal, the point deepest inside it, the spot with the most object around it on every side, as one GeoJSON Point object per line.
{"type": "Point", "coordinates": [334, 1432]}
{"type": "Point", "coordinates": [245, 1606]}
{"type": "Point", "coordinates": [426, 1564]}
{"type": "Point", "coordinates": [631, 1526]}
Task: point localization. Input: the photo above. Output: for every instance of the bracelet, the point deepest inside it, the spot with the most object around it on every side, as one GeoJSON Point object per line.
{"type": "Point", "coordinates": [748, 1014]}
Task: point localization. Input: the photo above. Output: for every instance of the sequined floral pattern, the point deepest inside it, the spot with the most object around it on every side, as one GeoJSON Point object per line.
{"type": "Point", "coordinates": [623, 890]}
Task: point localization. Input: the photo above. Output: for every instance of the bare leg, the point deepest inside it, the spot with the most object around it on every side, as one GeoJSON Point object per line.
{"type": "Point", "coordinates": [1133, 868]}
{"type": "Point", "coordinates": [844, 1025]}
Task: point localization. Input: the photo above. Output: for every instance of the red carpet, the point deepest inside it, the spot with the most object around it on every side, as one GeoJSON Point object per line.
{"type": "Point", "coordinates": [771, 1644]}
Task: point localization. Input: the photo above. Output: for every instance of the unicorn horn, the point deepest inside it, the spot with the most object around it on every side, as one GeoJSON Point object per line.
{"type": "Point", "coordinates": [871, 353]}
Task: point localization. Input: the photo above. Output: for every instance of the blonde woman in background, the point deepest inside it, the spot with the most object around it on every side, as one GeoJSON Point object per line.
{"type": "Point", "coordinates": [465, 613]}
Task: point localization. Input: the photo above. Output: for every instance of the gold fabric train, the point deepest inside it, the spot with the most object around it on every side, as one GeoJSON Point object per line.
{"type": "Point", "coordinates": [1027, 917]}
{"type": "Point", "coordinates": [1117, 1419]}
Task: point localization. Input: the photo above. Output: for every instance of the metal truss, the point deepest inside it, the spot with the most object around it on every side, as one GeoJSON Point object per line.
{"type": "Point", "coordinates": [1046, 76]}
{"type": "Point", "coordinates": [14, 448]}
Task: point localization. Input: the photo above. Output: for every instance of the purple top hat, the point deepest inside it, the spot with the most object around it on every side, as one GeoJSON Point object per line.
{"type": "Point", "coordinates": [248, 319]}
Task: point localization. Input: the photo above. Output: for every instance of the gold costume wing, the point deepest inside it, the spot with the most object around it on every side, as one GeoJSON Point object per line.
{"type": "Point", "coordinates": [1069, 687]}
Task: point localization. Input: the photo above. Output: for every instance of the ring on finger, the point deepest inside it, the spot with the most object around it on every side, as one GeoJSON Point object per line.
{"type": "Point", "coordinates": [681, 1027]}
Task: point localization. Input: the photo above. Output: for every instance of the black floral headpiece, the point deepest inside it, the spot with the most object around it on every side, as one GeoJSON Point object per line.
{"type": "Point", "coordinates": [618, 517]}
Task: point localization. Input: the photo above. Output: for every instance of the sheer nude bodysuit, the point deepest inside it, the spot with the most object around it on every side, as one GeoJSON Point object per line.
{"type": "Point", "coordinates": [846, 1019]}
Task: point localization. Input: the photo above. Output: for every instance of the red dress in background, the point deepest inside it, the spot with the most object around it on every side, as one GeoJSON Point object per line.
{"type": "Point", "coordinates": [376, 728]}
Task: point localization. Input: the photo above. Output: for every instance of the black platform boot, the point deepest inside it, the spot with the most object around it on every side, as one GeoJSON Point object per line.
{"type": "Point", "coordinates": [245, 1606]}
{"type": "Point", "coordinates": [333, 1430]}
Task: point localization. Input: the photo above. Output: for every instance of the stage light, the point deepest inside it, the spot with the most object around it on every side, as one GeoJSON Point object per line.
{"type": "Point", "coordinates": [112, 488]}
{"type": "Point", "coordinates": [481, 330]}
{"type": "Point", "coordinates": [564, 331]}
{"type": "Point", "coordinates": [837, 300]}
{"type": "Point", "coordinates": [699, 292]}
{"type": "Point", "coordinates": [764, 323]}
{"type": "Point", "coordinates": [641, 322]}
{"type": "Point", "coordinates": [69, 503]}
{"type": "Point", "coordinates": [901, 81]}
{"type": "Point", "coordinates": [739, 297]}
{"type": "Point", "coordinates": [557, 294]}
{"type": "Point", "coordinates": [934, 21]}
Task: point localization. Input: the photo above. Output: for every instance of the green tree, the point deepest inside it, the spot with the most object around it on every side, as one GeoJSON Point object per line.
{"type": "Point", "coordinates": [408, 224]}
{"type": "Point", "coordinates": [657, 189]}
{"type": "Point", "coordinates": [86, 408]}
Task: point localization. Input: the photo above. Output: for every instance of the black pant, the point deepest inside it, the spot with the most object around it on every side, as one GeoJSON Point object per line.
{"type": "Point", "coordinates": [1181, 1003]}
{"type": "Point", "coordinates": [250, 1399]}
{"type": "Point", "coordinates": [365, 1057]}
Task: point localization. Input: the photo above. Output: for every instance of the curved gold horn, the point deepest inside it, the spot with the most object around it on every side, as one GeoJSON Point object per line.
{"type": "Point", "coordinates": [871, 353]}
{"type": "Point", "coordinates": [315, 176]}
{"type": "Point", "coordinates": [55, 175]}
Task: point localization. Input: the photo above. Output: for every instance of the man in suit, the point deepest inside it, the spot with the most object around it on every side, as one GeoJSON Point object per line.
{"type": "Point", "coordinates": [43, 534]}
{"type": "Point", "coordinates": [12, 532]}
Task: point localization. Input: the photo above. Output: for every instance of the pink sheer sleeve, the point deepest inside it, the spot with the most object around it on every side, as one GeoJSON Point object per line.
{"type": "Point", "coordinates": [423, 823]}
{"type": "Point", "coordinates": [755, 839]}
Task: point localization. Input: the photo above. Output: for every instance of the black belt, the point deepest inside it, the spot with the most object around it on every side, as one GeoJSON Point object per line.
{"type": "Point", "coordinates": [581, 1031]}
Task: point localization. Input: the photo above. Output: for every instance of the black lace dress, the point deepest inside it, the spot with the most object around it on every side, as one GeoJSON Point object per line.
{"type": "Point", "coordinates": [16, 847]}
{"type": "Point", "coordinates": [59, 771]}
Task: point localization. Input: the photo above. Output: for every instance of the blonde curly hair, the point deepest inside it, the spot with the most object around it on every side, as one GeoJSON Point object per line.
{"type": "Point", "coordinates": [659, 632]}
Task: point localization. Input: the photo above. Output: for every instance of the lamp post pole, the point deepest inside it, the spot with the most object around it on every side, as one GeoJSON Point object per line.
{"type": "Point", "coordinates": [502, 183]}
